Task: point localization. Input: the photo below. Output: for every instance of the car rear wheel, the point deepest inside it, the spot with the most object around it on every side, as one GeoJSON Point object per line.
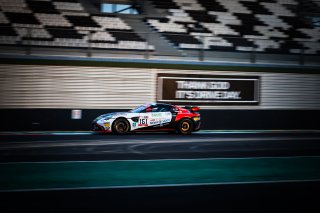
{"type": "Point", "coordinates": [185, 126]}
{"type": "Point", "coordinates": [121, 126]}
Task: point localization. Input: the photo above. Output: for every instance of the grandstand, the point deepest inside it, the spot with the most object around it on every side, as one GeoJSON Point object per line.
{"type": "Point", "coordinates": [187, 29]}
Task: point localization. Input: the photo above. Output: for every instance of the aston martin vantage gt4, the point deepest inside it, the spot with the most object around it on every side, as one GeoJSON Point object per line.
{"type": "Point", "coordinates": [150, 117]}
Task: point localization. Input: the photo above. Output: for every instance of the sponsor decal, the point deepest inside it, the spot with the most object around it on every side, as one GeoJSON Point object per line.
{"type": "Point", "coordinates": [106, 124]}
{"type": "Point", "coordinates": [156, 114]}
{"type": "Point", "coordinates": [144, 117]}
{"type": "Point", "coordinates": [166, 120]}
{"type": "Point", "coordinates": [154, 122]}
{"type": "Point", "coordinates": [134, 124]}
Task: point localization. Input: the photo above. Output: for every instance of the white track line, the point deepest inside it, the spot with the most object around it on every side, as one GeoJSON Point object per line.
{"type": "Point", "coordinates": [163, 185]}
{"type": "Point", "coordinates": [39, 144]}
{"type": "Point", "coordinates": [167, 159]}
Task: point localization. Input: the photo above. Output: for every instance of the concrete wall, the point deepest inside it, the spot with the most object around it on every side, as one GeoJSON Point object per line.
{"type": "Point", "coordinates": [68, 87]}
{"type": "Point", "coordinates": [35, 97]}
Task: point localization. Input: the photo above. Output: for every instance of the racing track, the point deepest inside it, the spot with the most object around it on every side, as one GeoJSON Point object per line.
{"type": "Point", "coordinates": [258, 171]}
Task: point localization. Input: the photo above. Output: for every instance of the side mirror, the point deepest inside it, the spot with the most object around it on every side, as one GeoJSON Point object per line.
{"type": "Point", "coordinates": [174, 110]}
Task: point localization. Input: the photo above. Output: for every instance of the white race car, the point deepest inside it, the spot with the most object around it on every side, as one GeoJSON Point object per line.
{"type": "Point", "coordinates": [150, 117]}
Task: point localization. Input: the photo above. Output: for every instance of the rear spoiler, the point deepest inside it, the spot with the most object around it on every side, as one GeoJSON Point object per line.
{"type": "Point", "coordinates": [192, 108]}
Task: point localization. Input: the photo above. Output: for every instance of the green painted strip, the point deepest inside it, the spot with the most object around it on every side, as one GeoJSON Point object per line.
{"type": "Point", "coordinates": [17, 176]}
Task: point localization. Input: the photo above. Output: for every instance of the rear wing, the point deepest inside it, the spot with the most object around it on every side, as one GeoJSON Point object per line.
{"type": "Point", "coordinates": [192, 108]}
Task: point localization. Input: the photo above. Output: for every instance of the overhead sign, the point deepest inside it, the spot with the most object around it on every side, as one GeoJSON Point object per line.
{"type": "Point", "coordinates": [208, 89]}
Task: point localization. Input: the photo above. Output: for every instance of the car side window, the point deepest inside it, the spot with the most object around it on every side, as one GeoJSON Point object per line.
{"type": "Point", "coordinates": [149, 109]}
{"type": "Point", "coordinates": [158, 108]}
{"type": "Point", "coordinates": [155, 109]}
{"type": "Point", "coordinates": [162, 108]}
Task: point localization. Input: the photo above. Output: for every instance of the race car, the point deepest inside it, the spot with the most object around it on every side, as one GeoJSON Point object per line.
{"type": "Point", "coordinates": [150, 117]}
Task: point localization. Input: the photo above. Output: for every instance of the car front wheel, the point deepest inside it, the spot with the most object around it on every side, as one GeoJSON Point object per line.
{"type": "Point", "coordinates": [121, 126]}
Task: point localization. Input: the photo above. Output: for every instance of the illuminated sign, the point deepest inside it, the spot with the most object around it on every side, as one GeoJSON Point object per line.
{"type": "Point", "coordinates": [208, 89]}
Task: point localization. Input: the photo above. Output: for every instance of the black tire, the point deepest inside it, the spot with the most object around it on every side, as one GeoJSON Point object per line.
{"type": "Point", "coordinates": [185, 126]}
{"type": "Point", "coordinates": [121, 126]}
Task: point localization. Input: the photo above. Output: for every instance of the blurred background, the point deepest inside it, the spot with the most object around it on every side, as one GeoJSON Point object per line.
{"type": "Point", "coordinates": [100, 56]}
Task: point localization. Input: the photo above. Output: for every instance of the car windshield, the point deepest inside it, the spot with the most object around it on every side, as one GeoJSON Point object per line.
{"type": "Point", "coordinates": [139, 109]}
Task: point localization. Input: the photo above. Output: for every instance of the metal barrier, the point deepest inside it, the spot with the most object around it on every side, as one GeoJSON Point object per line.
{"type": "Point", "coordinates": [203, 48]}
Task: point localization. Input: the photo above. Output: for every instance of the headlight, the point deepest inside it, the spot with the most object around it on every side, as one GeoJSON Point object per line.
{"type": "Point", "coordinates": [102, 118]}
{"type": "Point", "coordinates": [98, 118]}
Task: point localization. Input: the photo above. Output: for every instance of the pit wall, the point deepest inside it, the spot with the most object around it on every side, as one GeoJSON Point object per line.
{"type": "Point", "coordinates": [61, 119]}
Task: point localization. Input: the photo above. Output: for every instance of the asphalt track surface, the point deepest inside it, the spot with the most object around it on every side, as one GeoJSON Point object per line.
{"type": "Point", "coordinates": [251, 196]}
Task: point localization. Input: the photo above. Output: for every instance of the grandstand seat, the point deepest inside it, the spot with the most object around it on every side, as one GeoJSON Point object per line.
{"type": "Point", "coordinates": [270, 26]}
{"type": "Point", "coordinates": [22, 18]}
{"type": "Point", "coordinates": [64, 23]}
{"type": "Point", "coordinates": [82, 21]}
{"type": "Point", "coordinates": [62, 32]}
{"type": "Point", "coordinates": [42, 7]}
{"type": "Point", "coordinates": [165, 4]}
{"type": "Point", "coordinates": [267, 26]}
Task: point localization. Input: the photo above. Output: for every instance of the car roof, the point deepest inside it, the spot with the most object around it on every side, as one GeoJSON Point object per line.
{"type": "Point", "coordinates": [160, 104]}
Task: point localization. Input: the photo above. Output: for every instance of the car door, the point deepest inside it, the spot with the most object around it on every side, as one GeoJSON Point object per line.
{"type": "Point", "coordinates": [155, 116]}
